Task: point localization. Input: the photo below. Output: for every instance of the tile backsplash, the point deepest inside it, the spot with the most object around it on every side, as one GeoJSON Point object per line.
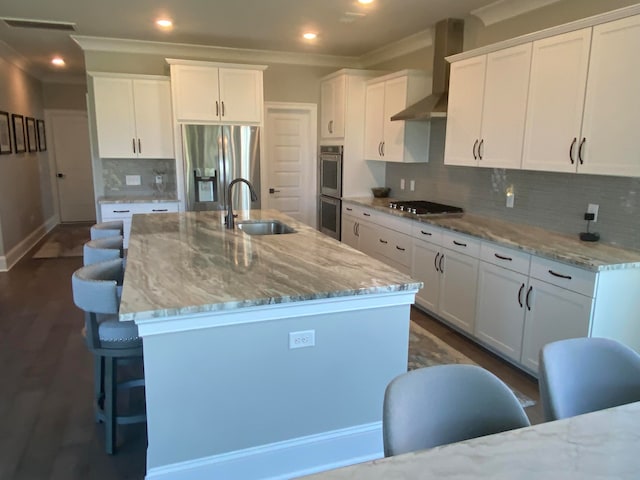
{"type": "Point", "coordinates": [555, 201]}
{"type": "Point", "coordinates": [114, 172]}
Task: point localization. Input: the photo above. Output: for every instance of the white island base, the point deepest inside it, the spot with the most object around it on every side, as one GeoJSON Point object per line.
{"type": "Point", "coordinates": [227, 398]}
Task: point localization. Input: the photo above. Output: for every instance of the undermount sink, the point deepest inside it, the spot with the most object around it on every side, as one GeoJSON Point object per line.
{"type": "Point", "coordinates": [264, 227]}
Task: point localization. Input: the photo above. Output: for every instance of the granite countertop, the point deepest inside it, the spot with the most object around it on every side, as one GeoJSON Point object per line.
{"type": "Point", "coordinates": [569, 249]}
{"type": "Point", "coordinates": [186, 263]}
{"type": "Point", "coordinates": [597, 445]}
{"type": "Point", "coordinates": [138, 199]}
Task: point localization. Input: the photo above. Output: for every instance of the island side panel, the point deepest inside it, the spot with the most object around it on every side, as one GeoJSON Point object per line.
{"type": "Point", "coordinates": [225, 389]}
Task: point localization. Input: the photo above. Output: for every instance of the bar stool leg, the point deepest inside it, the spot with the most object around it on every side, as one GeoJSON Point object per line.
{"type": "Point", "coordinates": [98, 386]}
{"type": "Point", "coordinates": [110, 404]}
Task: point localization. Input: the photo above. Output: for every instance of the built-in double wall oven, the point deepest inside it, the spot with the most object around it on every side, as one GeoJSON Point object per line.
{"type": "Point", "coordinates": [330, 165]}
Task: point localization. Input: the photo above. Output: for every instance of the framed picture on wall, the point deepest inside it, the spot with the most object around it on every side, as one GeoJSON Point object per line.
{"type": "Point", "coordinates": [5, 134]}
{"type": "Point", "coordinates": [42, 137]}
{"type": "Point", "coordinates": [18, 132]}
{"type": "Point", "coordinates": [32, 135]}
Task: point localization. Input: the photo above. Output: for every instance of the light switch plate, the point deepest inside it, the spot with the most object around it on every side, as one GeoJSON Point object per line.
{"type": "Point", "coordinates": [133, 180]}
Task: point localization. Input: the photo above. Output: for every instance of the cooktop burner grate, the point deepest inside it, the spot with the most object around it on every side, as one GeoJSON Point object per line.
{"type": "Point", "coordinates": [422, 207]}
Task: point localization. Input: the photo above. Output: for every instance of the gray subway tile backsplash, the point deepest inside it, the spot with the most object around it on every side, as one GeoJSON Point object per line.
{"type": "Point", "coordinates": [114, 172]}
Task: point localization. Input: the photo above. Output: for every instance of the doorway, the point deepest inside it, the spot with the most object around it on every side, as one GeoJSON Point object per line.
{"type": "Point", "coordinates": [68, 133]}
{"type": "Point", "coordinates": [290, 167]}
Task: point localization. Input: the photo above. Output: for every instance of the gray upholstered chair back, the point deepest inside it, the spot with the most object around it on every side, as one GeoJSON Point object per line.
{"type": "Point", "coordinates": [95, 287]}
{"type": "Point", "coordinates": [582, 375]}
{"type": "Point", "coordinates": [101, 249]}
{"type": "Point", "coordinates": [444, 404]}
{"type": "Point", "coordinates": [107, 229]}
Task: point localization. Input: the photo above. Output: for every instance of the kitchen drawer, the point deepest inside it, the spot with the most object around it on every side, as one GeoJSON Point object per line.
{"type": "Point", "coordinates": [350, 209]}
{"type": "Point", "coordinates": [509, 258]}
{"type": "Point", "coordinates": [461, 243]}
{"type": "Point", "coordinates": [125, 210]}
{"type": "Point", "coordinates": [160, 207]}
{"type": "Point", "coordinates": [563, 275]}
{"type": "Point", "coordinates": [427, 232]}
{"type": "Point", "coordinates": [395, 246]}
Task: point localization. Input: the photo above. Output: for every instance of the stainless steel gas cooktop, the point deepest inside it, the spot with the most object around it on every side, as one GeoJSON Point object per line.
{"type": "Point", "coordinates": [421, 207]}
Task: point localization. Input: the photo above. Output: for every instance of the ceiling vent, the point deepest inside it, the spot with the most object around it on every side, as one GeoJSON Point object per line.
{"type": "Point", "coordinates": [41, 24]}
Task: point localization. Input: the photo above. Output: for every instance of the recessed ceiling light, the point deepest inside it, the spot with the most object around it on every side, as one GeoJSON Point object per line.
{"type": "Point", "coordinates": [365, 1]}
{"type": "Point", "coordinates": [58, 61]}
{"type": "Point", "coordinates": [310, 35]}
{"type": "Point", "coordinates": [164, 23]}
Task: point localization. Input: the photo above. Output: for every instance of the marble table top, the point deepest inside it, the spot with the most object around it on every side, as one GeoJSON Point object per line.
{"type": "Point", "coordinates": [600, 445]}
{"type": "Point", "coordinates": [167, 197]}
{"type": "Point", "coordinates": [594, 256]}
{"type": "Point", "coordinates": [186, 263]}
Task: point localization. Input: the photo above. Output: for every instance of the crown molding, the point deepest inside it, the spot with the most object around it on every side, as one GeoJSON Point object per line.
{"type": "Point", "coordinates": [206, 52]}
{"type": "Point", "coordinates": [18, 60]}
{"type": "Point", "coordinates": [504, 9]}
{"type": "Point", "coordinates": [401, 47]}
{"type": "Point", "coordinates": [65, 79]}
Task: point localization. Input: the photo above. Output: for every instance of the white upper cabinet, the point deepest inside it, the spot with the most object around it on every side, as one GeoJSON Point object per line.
{"type": "Point", "coordinates": [395, 141]}
{"type": "Point", "coordinates": [212, 93]}
{"type": "Point", "coordinates": [332, 107]}
{"type": "Point", "coordinates": [487, 104]}
{"type": "Point", "coordinates": [556, 96]}
{"type": "Point", "coordinates": [133, 117]}
{"type": "Point", "coordinates": [612, 106]}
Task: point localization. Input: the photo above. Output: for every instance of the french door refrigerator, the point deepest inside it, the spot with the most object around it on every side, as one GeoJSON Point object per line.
{"type": "Point", "coordinates": [213, 156]}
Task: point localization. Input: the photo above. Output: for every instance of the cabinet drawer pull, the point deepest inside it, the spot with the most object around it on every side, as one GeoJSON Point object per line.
{"type": "Point", "coordinates": [426, 233]}
{"type": "Point", "coordinates": [527, 299]}
{"type": "Point", "coordinates": [382, 241]}
{"type": "Point", "coordinates": [349, 209]}
{"type": "Point", "coordinates": [475, 144]}
{"type": "Point", "coordinates": [357, 229]}
{"type": "Point", "coordinates": [560, 275]}
{"type": "Point", "coordinates": [121, 211]}
{"type": "Point", "coordinates": [580, 159]}
{"type": "Point", "coordinates": [366, 214]}
{"type": "Point", "coordinates": [460, 244]}
{"type": "Point", "coordinates": [503, 258]}
{"type": "Point", "coordinates": [435, 261]}
{"type": "Point", "coordinates": [160, 210]}
{"type": "Point", "coordinates": [573, 144]}
{"type": "Point", "coordinates": [440, 263]}
{"type": "Point", "coordinates": [520, 295]}
{"type": "Point", "coordinates": [400, 248]}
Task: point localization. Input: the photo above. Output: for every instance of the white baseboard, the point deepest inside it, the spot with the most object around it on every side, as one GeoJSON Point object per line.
{"type": "Point", "coordinates": [16, 253]}
{"type": "Point", "coordinates": [283, 460]}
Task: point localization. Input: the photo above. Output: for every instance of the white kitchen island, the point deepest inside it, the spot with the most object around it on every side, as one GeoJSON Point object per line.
{"type": "Point", "coordinates": [219, 312]}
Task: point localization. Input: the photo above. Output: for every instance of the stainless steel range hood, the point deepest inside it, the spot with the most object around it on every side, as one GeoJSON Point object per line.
{"type": "Point", "coordinates": [447, 41]}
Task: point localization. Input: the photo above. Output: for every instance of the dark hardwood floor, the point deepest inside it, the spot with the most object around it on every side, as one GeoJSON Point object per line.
{"type": "Point", "coordinates": [46, 421]}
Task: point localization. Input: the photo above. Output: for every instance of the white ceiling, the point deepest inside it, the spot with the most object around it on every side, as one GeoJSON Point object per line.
{"type": "Point", "coordinates": [253, 24]}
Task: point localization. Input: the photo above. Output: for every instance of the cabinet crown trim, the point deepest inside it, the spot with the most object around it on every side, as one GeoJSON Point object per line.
{"type": "Point", "coordinates": [354, 72]}
{"type": "Point", "coordinates": [201, 63]}
{"type": "Point", "coordinates": [549, 32]}
{"type": "Point", "coordinates": [401, 73]}
{"type": "Point", "coordinates": [130, 76]}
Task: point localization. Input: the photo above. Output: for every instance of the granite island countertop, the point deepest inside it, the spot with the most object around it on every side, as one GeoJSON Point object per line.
{"type": "Point", "coordinates": [167, 197]}
{"type": "Point", "coordinates": [189, 263]}
{"type": "Point", "coordinates": [569, 249]}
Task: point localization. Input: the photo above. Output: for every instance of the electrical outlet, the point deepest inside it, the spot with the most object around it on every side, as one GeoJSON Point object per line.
{"type": "Point", "coordinates": [306, 338]}
{"type": "Point", "coordinates": [402, 184]}
{"type": "Point", "coordinates": [593, 208]}
{"type": "Point", "coordinates": [158, 179]}
{"type": "Point", "coordinates": [412, 185]}
{"type": "Point", "coordinates": [511, 197]}
{"type": "Point", "coordinates": [133, 180]}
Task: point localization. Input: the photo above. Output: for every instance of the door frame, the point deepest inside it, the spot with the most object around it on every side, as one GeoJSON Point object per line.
{"type": "Point", "coordinates": [310, 109]}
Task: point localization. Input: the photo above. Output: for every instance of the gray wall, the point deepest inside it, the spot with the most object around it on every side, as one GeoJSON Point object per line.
{"type": "Point", "coordinates": [26, 201]}
{"type": "Point", "coordinates": [65, 96]}
{"type": "Point", "coordinates": [556, 201]}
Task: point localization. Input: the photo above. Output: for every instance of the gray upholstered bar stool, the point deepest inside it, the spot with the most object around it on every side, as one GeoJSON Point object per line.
{"type": "Point", "coordinates": [95, 290]}
{"type": "Point", "coordinates": [107, 229]}
{"type": "Point", "coordinates": [101, 249]}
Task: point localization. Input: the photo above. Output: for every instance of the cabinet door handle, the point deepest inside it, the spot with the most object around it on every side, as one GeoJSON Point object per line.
{"type": "Point", "coordinates": [357, 229]}
{"type": "Point", "coordinates": [222, 103]}
{"type": "Point", "coordinates": [330, 126]}
{"type": "Point", "coordinates": [383, 241]}
{"type": "Point", "coordinates": [366, 214]}
{"type": "Point", "coordinates": [426, 233]}
{"type": "Point", "coordinates": [475, 144]}
{"type": "Point", "coordinates": [121, 211]}
{"type": "Point", "coordinates": [520, 295]}
{"type": "Point", "coordinates": [573, 144]}
{"type": "Point", "coordinates": [400, 248]}
{"type": "Point", "coordinates": [480, 145]}
{"type": "Point", "coordinates": [139, 146]}
{"type": "Point", "coordinates": [527, 299]}
{"type": "Point", "coordinates": [440, 263]}
{"type": "Point", "coordinates": [380, 148]}
{"type": "Point", "coordinates": [503, 258]}
{"type": "Point", "coordinates": [217, 109]}
{"type": "Point", "coordinates": [560, 275]}
{"type": "Point", "coordinates": [435, 261]}
{"type": "Point", "coordinates": [383, 149]}
{"type": "Point", "coordinates": [133, 143]}
{"type": "Point", "coordinates": [160, 210]}
{"type": "Point", "coordinates": [580, 159]}
{"type": "Point", "coordinates": [460, 244]}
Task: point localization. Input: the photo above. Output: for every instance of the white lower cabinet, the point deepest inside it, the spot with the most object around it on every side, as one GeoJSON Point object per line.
{"type": "Point", "coordinates": [125, 212]}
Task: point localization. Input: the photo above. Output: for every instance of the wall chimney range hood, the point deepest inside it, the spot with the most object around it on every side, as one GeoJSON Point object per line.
{"type": "Point", "coordinates": [448, 40]}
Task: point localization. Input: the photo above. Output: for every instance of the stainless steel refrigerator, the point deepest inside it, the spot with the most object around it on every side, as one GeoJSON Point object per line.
{"type": "Point", "coordinates": [213, 156]}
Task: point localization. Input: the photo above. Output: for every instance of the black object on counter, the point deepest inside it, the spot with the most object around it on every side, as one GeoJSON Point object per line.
{"type": "Point", "coordinates": [589, 236]}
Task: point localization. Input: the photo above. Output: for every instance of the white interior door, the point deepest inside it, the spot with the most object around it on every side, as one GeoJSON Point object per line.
{"type": "Point", "coordinates": [68, 134]}
{"type": "Point", "coordinates": [289, 182]}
